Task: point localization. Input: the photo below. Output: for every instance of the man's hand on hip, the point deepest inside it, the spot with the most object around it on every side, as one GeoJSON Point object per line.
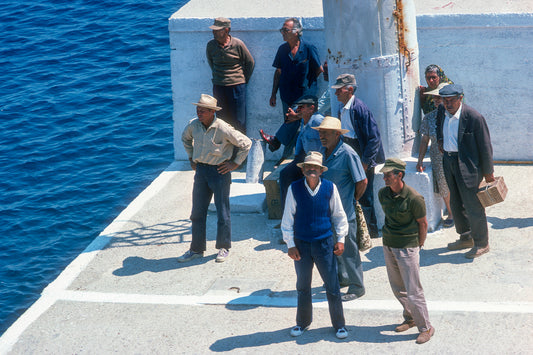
{"type": "Point", "coordinates": [226, 167]}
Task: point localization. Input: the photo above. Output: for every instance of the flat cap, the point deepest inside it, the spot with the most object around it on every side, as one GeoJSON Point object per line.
{"type": "Point", "coordinates": [343, 80]}
{"type": "Point", "coordinates": [220, 23]}
{"type": "Point", "coordinates": [392, 164]}
{"type": "Point", "coordinates": [451, 90]}
{"type": "Point", "coordinates": [307, 99]}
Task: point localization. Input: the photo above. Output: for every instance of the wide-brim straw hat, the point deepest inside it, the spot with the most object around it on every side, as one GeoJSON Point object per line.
{"type": "Point", "coordinates": [207, 101]}
{"type": "Point", "coordinates": [313, 158]}
{"type": "Point", "coordinates": [331, 123]}
{"type": "Point", "coordinates": [435, 92]}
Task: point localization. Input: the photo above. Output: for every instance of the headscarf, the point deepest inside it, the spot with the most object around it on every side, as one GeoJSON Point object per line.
{"type": "Point", "coordinates": [426, 101]}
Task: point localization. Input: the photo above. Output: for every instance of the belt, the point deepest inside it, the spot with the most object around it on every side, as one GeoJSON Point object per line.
{"type": "Point", "coordinates": [451, 154]}
{"type": "Point", "coordinates": [208, 165]}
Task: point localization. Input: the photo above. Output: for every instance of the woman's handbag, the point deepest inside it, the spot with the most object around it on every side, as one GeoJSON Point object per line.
{"type": "Point", "coordinates": [363, 236]}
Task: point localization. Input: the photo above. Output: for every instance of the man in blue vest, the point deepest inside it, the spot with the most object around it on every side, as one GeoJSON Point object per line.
{"type": "Point", "coordinates": [313, 206]}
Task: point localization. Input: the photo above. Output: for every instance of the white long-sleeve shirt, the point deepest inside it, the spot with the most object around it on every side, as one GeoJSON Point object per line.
{"type": "Point", "coordinates": [338, 217]}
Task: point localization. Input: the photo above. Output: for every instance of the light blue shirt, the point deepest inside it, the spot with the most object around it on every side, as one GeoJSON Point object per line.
{"type": "Point", "coordinates": [344, 170]}
{"type": "Point", "coordinates": [308, 138]}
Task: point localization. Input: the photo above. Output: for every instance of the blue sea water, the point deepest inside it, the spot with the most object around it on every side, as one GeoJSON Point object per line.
{"type": "Point", "coordinates": [86, 122]}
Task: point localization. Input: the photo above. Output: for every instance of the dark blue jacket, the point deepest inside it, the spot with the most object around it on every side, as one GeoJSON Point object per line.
{"type": "Point", "coordinates": [369, 139]}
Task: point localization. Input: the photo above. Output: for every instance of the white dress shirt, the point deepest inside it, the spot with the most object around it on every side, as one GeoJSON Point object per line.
{"type": "Point", "coordinates": [450, 131]}
{"type": "Point", "coordinates": [338, 217]}
{"type": "Point", "coordinates": [346, 122]}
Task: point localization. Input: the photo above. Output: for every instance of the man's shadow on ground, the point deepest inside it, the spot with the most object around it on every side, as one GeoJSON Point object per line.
{"type": "Point", "coordinates": [428, 257]}
{"type": "Point", "coordinates": [379, 334]}
{"type": "Point", "coordinates": [504, 223]}
{"type": "Point", "coordinates": [134, 265]}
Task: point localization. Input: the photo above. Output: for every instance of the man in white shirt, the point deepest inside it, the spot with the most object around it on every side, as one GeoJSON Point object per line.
{"type": "Point", "coordinates": [364, 137]}
{"type": "Point", "coordinates": [313, 206]}
{"type": "Point", "coordinates": [464, 138]}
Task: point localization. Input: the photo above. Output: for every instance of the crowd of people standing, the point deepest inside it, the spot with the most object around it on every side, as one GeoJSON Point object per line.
{"type": "Point", "coordinates": [332, 171]}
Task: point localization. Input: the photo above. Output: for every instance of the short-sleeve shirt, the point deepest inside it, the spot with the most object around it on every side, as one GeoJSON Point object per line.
{"type": "Point", "coordinates": [344, 170]}
{"type": "Point", "coordinates": [298, 74]}
{"type": "Point", "coordinates": [401, 212]}
{"type": "Point", "coordinates": [308, 138]}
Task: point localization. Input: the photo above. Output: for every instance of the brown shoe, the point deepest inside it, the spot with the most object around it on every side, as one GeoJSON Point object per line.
{"type": "Point", "coordinates": [425, 336]}
{"type": "Point", "coordinates": [406, 325]}
{"type": "Point", "coordinates": [461, 244]}
{"type": "Point", "coordinates": [476, 251]}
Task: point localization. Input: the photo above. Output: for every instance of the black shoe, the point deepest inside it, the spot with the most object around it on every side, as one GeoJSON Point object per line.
{"type": "Point", "coordinates": [351, 296]}
{"type": "Point", "coordinates": [273, 142]}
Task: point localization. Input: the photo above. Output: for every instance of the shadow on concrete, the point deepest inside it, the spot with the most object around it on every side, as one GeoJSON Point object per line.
{"type": "Point", "coordinates": [355, 333]}
{"type": "Point", "coordinates": [285, 298]}
{"type": "Point", "coordinates": [134, 265]}
{"type": "Point", "coordinates": [375, 257]}
{"type": "Point", "coordinates": [157, 234]}
{"type": "Point", "coordinates": [504, 223]}
{"type": "Point", "coordinates": [428, 257]}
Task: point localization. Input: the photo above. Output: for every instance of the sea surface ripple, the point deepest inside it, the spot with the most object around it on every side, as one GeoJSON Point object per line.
{"type": "Point", "coordinates": [86, 121]}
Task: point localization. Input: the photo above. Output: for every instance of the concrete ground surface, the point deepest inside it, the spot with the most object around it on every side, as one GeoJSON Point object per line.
{"type": "Point", "coordinates": [127, 294]}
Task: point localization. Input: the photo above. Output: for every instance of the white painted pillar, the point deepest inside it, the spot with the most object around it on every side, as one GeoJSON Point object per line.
{"type": "Point", "coordinates": [376, 41]}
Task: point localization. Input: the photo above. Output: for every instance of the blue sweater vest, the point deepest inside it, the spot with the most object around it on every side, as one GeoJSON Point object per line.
{"type": "Point", "coordinates": [312, 220]}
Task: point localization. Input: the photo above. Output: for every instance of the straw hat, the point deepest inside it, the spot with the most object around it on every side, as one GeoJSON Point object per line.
{"type": "Point", "coordinates": [435, 92]}
{"type": "Point", "coordinates": [331, 123]}
{"type": "Point", "coordinates": [207, 101]}
{"type": "Point", "coordinates": [313, 158]}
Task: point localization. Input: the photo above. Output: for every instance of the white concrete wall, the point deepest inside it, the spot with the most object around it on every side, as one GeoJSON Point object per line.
{"type": "Point", "coordinates": [490, 55]}
{"type": "Point", "coordinates": [191, 74]}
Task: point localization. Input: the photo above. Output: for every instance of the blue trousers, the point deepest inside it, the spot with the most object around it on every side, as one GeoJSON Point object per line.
{"type": "Point", "coordinates": [208, 182]}
{"type": "Point", "coordinates": [232, 100]}
{"type": "Point", "coordinates": [350, 266]}
{"type": "Point", "coordinates": [287, 133]}
{"type": "Point", "coordinates": [319, 253]}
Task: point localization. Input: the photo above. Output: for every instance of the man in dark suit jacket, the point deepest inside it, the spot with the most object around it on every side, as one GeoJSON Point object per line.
{"type": "Point", "coordinates": [363, 137]}
{"type": "Point", "coordinates": [464, 138]}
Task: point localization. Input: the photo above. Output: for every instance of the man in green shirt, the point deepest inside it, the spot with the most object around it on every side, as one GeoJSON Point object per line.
{"type": "Point", "coordinates": [404, 233]}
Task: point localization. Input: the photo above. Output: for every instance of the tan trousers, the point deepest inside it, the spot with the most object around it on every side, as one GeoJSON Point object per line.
{"type": "Point", "coordinates": [403, 266]}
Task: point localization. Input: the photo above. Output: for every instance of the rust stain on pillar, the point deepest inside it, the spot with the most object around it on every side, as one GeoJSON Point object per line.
{"type": "Point", "coordinates": [402, 44]}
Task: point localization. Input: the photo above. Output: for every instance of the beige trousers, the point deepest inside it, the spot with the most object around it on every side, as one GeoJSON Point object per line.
{"type": "Point", "coordinates": [403, 266]}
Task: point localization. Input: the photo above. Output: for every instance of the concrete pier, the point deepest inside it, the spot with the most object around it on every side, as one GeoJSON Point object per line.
{"type": "Point", "coordinates": [127, 294]}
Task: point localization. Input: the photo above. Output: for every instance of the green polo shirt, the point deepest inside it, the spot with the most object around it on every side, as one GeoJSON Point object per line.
{"type": "Point", "coordinates": [401, 212]}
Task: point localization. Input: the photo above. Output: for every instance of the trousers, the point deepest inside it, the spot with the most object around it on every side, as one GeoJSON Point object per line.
{"type": "Point", "coordinates": [208, 182]}
{"type": "Point", "coordinates": [468, 213]}
{"type": "Point", "coordinates": [232, 100]}
{"type": "Point", "coordinates": [403, 270]}
{"type": "Point", "coordinates": [319, 253]}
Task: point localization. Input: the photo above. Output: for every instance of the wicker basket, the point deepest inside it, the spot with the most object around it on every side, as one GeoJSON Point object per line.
{"type": "Point", "coordinates": [492, 193]}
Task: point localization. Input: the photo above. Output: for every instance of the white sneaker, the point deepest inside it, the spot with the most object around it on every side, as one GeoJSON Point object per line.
{"type": "Point", "coordinates": [222, 255]}
{"type": "Point", "coordinates": [297, 331]}
{"type": "Point", "coordinates": [342, 333]}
